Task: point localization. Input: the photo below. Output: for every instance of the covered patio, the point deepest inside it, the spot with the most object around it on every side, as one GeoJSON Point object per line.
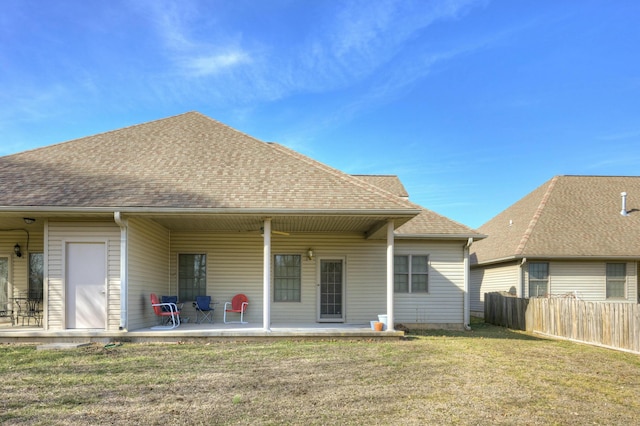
{"type": "Point", "coordinates": [192, 332]}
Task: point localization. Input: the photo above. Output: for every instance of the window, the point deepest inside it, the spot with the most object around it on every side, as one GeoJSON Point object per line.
{"type": "Point", "coordinates": [286, 277]}
{"type": "Point", "coordinates": [538, 279]}
{"type": "Point", "coordinates": [4, 282]}
{"type": "Point", "coordinates": [36, 273]}
{"type": "Point", "coordinates": [411, 274]}
{"type": "Point", "coordinates": [616, 280]}
{"type": "Point", "coordinates": [192, 276]}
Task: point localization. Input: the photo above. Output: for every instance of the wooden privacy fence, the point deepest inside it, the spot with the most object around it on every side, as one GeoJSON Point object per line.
{"type": "Point", "coordinates": [505, 310]}
{"type": "Point", "coordinates": [611, 324]}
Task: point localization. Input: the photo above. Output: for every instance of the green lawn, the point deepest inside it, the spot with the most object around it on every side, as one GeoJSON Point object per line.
{"type": "Point", "coordinates": [487, 376]}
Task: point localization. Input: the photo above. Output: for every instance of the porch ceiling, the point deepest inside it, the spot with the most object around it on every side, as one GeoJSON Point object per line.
{"type": "Point", "coordinates": [370, 225]}
{"type": "Point", "coordinates": [291, 224]}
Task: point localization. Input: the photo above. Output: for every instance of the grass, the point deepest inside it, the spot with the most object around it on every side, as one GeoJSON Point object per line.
{"type": "Point", "coordinates": [487, 376]}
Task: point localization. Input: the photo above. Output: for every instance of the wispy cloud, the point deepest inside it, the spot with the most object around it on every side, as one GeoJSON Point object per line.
{"type": "Point", "coordinates": [215, 63]}
{"type": "Point", "coordinates": [352, 43]}
{"type": "Point", "coordinates": [180, 27]}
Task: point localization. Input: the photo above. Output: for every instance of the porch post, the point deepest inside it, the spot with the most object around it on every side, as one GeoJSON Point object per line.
{"type": "Point", "coordinates": [390, 251]}
{"type": "Point", "coordinates": [266, 296]}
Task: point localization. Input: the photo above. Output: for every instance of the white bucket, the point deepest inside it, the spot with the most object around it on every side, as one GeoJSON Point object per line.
{"type": "Point", "coordinates": [373, 326]}
{"type": "Point", "coordinates": [383, 320]}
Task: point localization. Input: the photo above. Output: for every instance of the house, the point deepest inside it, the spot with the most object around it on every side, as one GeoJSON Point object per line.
{"type": "Point", "coordinates": [188, 206]}
{"type": "Point", "coordinates": [574, 235]}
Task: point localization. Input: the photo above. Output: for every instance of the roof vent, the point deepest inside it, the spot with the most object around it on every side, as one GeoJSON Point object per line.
{"type": "Point", "coordinates": [623, 212]}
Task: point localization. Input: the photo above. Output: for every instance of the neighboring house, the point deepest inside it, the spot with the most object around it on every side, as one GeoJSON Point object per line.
{"type": "Point", "coordinates": [189, 206]}
{"type": "Point", "coordinates": [570, 236]}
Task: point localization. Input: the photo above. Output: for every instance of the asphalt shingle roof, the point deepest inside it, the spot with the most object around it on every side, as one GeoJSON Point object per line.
{"type": "Point", "coordinates": [427, 223]}
{"type": "Point", "coordinates": [191, 161]}
{"type": "Point", "coordinates": [389, 183]}
{"type": "Point", "coordinates": [185, 161]}
{"type": "Point", "coordinates": [568, 216]}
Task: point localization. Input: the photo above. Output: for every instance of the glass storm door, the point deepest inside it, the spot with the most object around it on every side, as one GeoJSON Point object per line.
{"type": "Point", "coordinates": [331, 290]}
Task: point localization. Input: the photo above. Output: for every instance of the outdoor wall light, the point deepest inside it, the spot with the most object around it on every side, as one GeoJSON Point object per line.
{"type": "Point", "coordinates": [28, 220]}
{"type": "Point", "coordinates": [17, 251]}
{"type": "Point", "coordinates": [310, 254]}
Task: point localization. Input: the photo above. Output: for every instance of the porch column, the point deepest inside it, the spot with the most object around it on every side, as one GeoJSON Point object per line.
{"type": "Point", "coordinates": [390, 251]}
{"type": "Point", "coordinates": [266, 278]}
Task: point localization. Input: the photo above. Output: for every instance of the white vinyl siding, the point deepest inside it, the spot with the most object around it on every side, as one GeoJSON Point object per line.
{"type": "Point", "coordinates": [58, 234]}
{"type": "Point", "coordinates": [18, 284]}
{"type": "Point", "coordinates": [587, 279]}
{"type": "Point", "coordinates": [444, 304]}
{"type": "Point", "coordinates": [235, 263]}
{"type": "Point", "coordinates": [148, 270]}
{"type": "Point", "coordinates": [490, 279]}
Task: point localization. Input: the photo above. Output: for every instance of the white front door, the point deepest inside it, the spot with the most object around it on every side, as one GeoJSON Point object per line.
{"type": "Point", "coordinates": [86, 285]}
{"type": "Point", "coordinates": [331, 290]}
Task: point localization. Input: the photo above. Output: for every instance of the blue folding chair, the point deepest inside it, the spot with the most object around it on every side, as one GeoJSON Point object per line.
{"type": "Point", "coordinates": [204, 309]}
{"type": "Point", "coordinates": [167, 300]}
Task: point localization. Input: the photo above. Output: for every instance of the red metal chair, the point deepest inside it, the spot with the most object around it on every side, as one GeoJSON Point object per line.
{"type": "Point", "coordinates": [164, 311]}
{"type": "Point", "coordinates": [238, 305]}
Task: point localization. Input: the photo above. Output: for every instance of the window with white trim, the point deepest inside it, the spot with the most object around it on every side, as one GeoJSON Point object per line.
{"type": "Point", "coordinates": [411, 273]}
{"type": "Point", "coordinates": [538, 279]}
{"type": "Point", "coordinates": [286, 277]}
{"type": "Point", "coordinates": [36, 274]}
{"type": "Point", "coordinates": [192, 276]}
{"type": "Point", "coordinates": [616, 280]}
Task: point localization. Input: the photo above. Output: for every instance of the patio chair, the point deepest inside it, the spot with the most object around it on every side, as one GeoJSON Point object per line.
{"type": "Point", "coordinates": [28, 308]}
{"type": "Point", "coordinates": [204, 309]}
{"type": "Point", "coordinates": [239, 305]}
{"type": "Point", "coordinates": [170, 299]}
{"type": "Point", "coordinates": [172, 312]}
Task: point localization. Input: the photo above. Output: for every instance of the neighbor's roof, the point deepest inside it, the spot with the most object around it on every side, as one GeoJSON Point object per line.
{"type": "Point", "coordinates": [185, 161]}
{"type": "Point", "coordinates": [427, 224]}
{"type": "Point", "coordinates": [568, 216]}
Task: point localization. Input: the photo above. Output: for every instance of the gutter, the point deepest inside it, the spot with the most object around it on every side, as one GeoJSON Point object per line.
{"type": "Point", "coordinates": [465, 237]}
{"type": "Point", "coordinates": [229, 211]}
{"type": "Point", "coordinates": [124, 256]}
{"type": "Point", "coordinates": [555, 257]}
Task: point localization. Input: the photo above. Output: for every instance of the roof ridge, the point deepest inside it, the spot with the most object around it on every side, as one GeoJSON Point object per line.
{"type": "Point", "coordinates": [132, 126]}
{"type": "Point", "coordinates": [343, 175]}
{"type": "Point", "coordinates": [536, 216]}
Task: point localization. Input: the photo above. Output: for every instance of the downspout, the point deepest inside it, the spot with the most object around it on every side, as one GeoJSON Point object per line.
{"type": "Point", "coordinates": [390, 292]}
{"type": "Point", "coordinates": [521, 283]}
{"type": "Point", "coordinates": [467, 303]}
{"type": "Point", "coordinates": [266, 277]}
{"type": "Point", "coordinates": [124, 294]}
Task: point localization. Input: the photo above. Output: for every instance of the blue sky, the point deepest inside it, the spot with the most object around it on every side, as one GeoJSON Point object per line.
{"type": "Point", "coordinates": [472, 104]}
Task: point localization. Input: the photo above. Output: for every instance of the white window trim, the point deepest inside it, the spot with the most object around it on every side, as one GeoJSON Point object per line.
{"type": "Point", "coordinates": [206, 272]}
{"type": "Point", "coordinates": [273, 277]}
{"type": "Point", "coordinates": [410, 273]}
{"type": "Point", "coordinates": [539, 280]}
{"type": "Point", "coordinates": [625, 281]}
